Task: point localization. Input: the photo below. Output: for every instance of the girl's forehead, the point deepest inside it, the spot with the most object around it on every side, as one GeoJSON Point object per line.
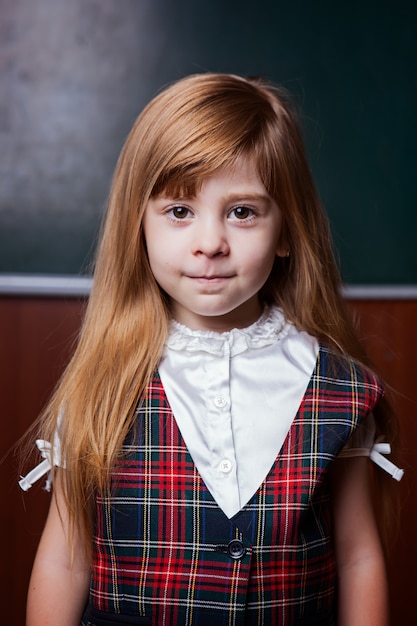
{"type": "Point", "coordinates": [243, 172]}
{"type": "Point", "coordinates": [241, 175]}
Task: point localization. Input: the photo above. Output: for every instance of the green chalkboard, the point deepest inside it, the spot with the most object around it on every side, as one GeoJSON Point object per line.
{"type": "Point", "coordinates": [75, 75]}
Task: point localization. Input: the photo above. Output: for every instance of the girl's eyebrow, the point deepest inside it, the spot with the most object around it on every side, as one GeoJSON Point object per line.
{"type": "Point", "coordinates": [248, 196]}
{"type": "Point", "coordinates": [232, 197]}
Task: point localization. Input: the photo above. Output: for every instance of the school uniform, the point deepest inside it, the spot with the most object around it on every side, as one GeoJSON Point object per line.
{"type": "Point", "coordinates": [175, 543]}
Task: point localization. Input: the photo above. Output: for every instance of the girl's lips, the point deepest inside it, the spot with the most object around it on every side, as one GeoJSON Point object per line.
{"type": "Point", "coordinates": [209, 279]}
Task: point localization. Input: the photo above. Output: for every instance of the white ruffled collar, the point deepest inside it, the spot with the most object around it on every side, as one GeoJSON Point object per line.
{"type": "Point", "coordinates": [268, 329]}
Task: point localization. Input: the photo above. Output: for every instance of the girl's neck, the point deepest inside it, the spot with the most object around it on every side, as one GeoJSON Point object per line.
{"type": "Point", "coordinates": [241, 317]}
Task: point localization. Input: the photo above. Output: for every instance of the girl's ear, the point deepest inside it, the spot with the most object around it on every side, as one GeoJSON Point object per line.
{"type": "Point", "coordinates": [283, 245]}
{"type": "Point", "coordinates": [283, 248]}
{"type": "Point", "coordinates": [283, 252]}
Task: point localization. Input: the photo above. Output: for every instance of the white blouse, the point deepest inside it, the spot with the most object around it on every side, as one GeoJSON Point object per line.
{"type": "Point", "coordinates": [234, 396]}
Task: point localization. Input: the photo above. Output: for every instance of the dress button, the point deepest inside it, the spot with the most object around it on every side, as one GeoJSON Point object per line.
{"type": "Point", "coordinates": [236, 549]}
{"type": "Point", "coordinates": [220, 402]}
{"type": "Point", "coordinates": [225, 466]}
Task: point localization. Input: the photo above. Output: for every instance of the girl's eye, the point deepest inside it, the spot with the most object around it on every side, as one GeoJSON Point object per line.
{"type": "Point", "coordinates": [241, 212]}
{"type": "Point", "coordinates": [179, 212]}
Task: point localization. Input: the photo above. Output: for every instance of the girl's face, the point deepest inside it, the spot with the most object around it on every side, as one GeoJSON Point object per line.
{"type": "Point", "coordinates": [212, 253]}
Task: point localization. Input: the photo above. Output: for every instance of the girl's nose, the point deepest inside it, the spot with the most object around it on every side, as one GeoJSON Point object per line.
{"type": "Point", "coordinates": [211, 239]}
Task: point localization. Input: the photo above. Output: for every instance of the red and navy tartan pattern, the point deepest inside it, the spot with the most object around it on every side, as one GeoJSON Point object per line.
{"type": "Point", "coordinates": [160, 543]}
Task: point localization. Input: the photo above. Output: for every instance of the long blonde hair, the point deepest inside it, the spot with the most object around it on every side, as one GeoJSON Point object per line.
{"type": "Point", "coordinates": [193, 128]}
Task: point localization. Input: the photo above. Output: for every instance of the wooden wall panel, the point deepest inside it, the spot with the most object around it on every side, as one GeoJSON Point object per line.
{"type": "Point", "coordinates": [389, 330]}
{"type": "Point", "coordinates": [35, 341]}
{"type": "Point", "coordinates": [36, 335]}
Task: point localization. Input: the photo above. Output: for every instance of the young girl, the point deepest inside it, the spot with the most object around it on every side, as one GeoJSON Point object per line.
{"type": "Point", "coordinates": [211, 431]}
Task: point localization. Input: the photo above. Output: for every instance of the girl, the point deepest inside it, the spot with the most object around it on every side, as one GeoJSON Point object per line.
{"type": "Point", "coordinates": [212, 427]}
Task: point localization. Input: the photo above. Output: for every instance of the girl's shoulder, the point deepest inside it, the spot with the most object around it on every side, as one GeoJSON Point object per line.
{"type": "Point", "coordinates": [343, 368]}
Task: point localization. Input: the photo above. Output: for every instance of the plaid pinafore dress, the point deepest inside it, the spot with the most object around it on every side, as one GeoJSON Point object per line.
{"type": "Point", "coordinates": [164, 552]}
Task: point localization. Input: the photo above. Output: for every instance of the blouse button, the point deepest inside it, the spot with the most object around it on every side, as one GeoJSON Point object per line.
{"type": "Point", "coordinates": [225, 466]}
{"type": "Point", "coordinates": [220, 402]}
